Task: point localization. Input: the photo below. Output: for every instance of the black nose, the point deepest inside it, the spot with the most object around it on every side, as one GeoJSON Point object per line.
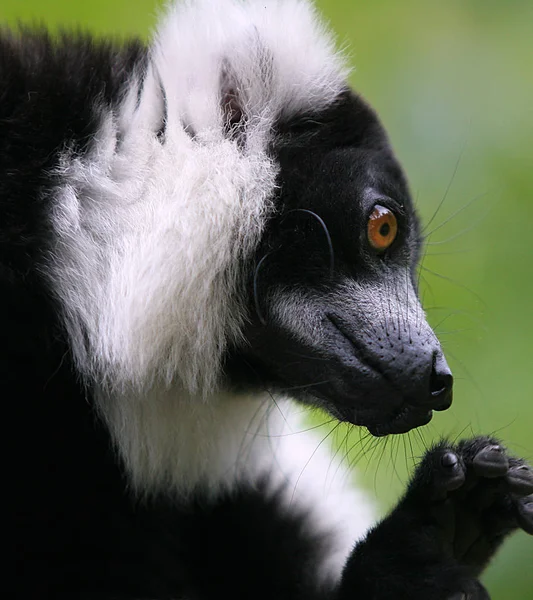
{"type": "Point", "coordinates": [440, 383]}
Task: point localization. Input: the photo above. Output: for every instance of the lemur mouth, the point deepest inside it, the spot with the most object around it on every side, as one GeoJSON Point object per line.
{"type": "Point", "coordinates": [406, 419]}
{"type": "Point", "coordinates": [403, 420]}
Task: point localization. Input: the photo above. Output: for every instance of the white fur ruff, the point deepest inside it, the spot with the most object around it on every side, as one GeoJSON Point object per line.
{"type": "Point", "coordinates": [151, 235]}
{"type": "Point", "coordinates": [175, 444]}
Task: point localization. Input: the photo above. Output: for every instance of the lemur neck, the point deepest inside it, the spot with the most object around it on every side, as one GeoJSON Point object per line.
{"type": "Point", "coordinates": [173, 441]}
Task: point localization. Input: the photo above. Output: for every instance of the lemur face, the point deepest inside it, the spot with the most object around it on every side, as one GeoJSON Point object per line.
{"type": "Point", "coordinates": [332, 294]}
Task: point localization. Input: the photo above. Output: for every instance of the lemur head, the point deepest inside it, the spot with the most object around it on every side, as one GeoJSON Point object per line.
{"type": "Point", "coordinates": [240, 221]}
{"type": "Point", "coordinates": [334, 317]}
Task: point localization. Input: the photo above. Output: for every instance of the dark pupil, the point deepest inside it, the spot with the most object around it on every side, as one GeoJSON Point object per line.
{"type": "Point", "coordinates": [384, 230]}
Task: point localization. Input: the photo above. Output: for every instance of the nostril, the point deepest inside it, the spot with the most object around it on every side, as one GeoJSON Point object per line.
{"type": "Point", "coordinates": [440, 382]}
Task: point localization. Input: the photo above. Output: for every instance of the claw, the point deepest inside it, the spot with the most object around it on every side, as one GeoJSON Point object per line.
{"type": "Point", "coordinates": [521, 480]}
{"type": "Point", "coordinates": [525, 514]}
{"type": "Point", "coordinates": [454, 475]}
{"type": "Point", "coordinates": [449, 459]}
{"type": "Point", "coordinates": [491, 462]}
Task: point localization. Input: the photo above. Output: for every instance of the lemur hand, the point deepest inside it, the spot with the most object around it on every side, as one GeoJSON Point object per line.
{"type": "Point", "coordinates": [463, 500]}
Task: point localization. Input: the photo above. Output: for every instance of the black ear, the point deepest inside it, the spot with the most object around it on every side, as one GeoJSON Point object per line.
{"type": "Point", "coordinates": [232, 105]}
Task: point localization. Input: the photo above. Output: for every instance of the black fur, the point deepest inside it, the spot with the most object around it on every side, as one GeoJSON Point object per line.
{"type": "Point", "coordinates": [462, 502]}
{"type": "Point", "coordinates": [75, 530]}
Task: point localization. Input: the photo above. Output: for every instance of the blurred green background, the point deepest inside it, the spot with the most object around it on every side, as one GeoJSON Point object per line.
{"type": "Point", "coordinates": [453, 83]}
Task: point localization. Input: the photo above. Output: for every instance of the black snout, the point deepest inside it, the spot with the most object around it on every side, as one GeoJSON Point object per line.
{"type": "Point", "coordinates": [363, 364]}
{"type": "Point", "coordinates": [390, 384]}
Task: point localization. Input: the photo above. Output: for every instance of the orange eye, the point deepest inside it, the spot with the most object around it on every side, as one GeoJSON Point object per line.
{"type": "Point", "coordinates": [382, 228]}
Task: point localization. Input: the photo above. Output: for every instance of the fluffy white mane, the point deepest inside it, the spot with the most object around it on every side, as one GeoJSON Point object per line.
{"type": "Point", "coordinates": [275, 54]}
{"type": "Point", "coordinates": [153, 233]}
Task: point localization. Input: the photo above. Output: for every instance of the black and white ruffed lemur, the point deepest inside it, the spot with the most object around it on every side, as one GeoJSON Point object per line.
{"type": "Point", "coordinates": [190, 233]}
